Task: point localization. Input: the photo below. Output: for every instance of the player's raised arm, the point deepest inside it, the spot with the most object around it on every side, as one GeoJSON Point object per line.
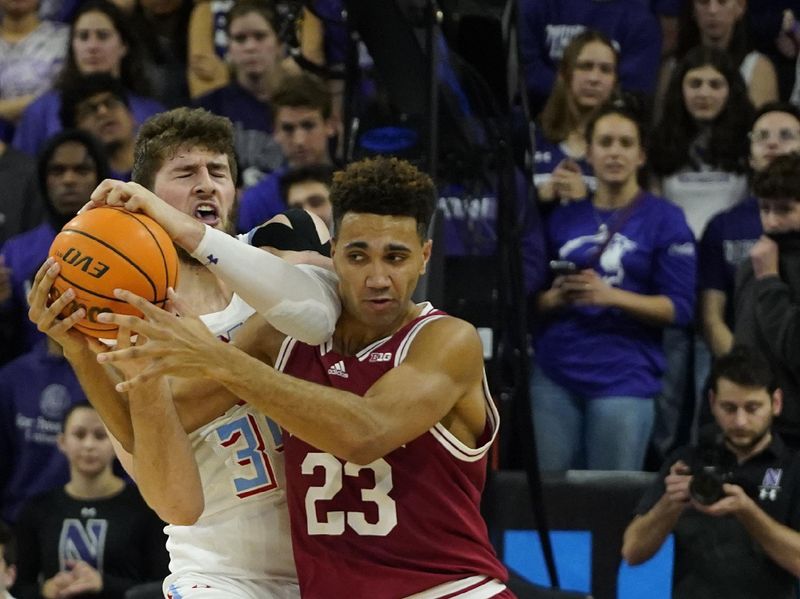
{"type": "Point", "coordinates": [300, 303]}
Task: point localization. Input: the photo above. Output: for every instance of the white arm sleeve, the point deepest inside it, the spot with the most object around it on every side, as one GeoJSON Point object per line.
{"type": "Point", "coordinates": [299, 301]}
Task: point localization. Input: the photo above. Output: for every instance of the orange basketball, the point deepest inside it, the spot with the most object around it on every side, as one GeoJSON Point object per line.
{"type": "Point", "coordinates": [109, 248]}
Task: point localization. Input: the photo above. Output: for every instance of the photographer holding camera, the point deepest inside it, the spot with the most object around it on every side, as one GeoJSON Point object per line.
{"type": "Point", "coordinates": [732, 503]}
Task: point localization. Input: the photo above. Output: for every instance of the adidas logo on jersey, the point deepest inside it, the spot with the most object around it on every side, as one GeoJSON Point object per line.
{"type": "Point", "coordinates": [338, 370]}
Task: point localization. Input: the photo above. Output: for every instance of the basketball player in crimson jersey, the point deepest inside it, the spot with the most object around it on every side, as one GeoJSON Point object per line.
{"type": "Point", "coordinates": [389, 420]}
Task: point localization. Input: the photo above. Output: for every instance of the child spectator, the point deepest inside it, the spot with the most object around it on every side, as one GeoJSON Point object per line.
{"type": "Point", "coordinates": [93, 537]}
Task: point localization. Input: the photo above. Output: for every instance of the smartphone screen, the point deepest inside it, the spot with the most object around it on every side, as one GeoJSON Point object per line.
{"type": "Point", "coordinates": [563, 267]}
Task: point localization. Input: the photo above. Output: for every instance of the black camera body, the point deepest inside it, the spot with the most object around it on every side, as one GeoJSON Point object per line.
{"type": "Point", "coordinates": [711, 467]}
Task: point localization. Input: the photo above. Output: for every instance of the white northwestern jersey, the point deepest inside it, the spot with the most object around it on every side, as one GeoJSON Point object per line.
{"type": "Point", "coordinates": [243, 531]}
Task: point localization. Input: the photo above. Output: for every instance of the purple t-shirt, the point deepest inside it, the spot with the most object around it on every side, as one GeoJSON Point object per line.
{"type": "Point", "coordinates": [36, 389]}
{"type": "Point", "coordinates": [726, 242]}
{"type": "Point", "coordinates": [596, 351]}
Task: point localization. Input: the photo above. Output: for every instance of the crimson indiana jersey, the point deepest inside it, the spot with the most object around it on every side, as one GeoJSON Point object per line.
{"type": "Point", "coordinates": [406, 524]}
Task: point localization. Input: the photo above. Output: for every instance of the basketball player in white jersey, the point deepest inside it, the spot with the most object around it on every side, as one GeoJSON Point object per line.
{"type": "Point", "coordinates": [221, 486]}
{"type": "Point", "coordinates": [389, 418]}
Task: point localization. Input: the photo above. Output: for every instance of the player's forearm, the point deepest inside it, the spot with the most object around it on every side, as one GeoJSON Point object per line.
{"type": "Point", "coordinates": [780, 542]}
{"type": "Point", "coordinates": [291, 300]}
{"type": "Point", "coordinates": [647, 533]}
{"type": "Point", "coordinates": [313, 412]}
{"type": "Point", "coordinates": [184, 230]}
{"type": "Point", "coordinates": [163, 461]}
{"type": "Point", "coordinates": [99, 390]}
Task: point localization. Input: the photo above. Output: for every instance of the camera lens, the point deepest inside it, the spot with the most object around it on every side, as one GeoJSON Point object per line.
{"type": "Point", "coordinates": [706, 487]}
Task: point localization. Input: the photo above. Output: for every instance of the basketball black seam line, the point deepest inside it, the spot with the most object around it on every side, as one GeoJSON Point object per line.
{"type": "Point", "coordinates": [160, 249]}
{"type": "Point", "coordinates": [73, 284]}
{"type": "Point", "coordinates": [90, 291]}
{"type": "Point", "coordinates": [113, 299]}
{"type": "Point", "coordinates": [116, 251]}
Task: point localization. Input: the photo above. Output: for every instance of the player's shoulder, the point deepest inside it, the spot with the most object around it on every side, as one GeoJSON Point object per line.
{"type": "Point", "coordinates": [446, 332]}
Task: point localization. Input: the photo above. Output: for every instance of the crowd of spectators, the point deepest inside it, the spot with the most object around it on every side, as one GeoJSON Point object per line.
{"type": "Point", "coordinates": [649, 120]}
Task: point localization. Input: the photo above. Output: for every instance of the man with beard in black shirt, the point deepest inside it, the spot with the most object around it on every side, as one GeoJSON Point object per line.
{"type": "Point", "coordinates": [730, 501]}
{"type": "Point", "coordinates": [767, 297]}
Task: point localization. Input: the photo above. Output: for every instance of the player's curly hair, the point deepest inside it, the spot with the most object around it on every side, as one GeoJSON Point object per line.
{"type": "Point", "coordinates": [385, 186]}
{"type": "Point", "coordinates": [164, 134]}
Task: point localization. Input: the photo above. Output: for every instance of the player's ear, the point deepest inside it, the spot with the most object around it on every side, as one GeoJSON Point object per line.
{"type": "Point", "coordinates": [426, 255]}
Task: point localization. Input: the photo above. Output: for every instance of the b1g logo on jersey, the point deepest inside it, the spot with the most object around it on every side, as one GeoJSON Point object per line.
{"type": "Point", "coordinates": [380, 356]}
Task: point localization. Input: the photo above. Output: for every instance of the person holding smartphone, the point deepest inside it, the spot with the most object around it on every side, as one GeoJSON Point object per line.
{"type": "Point", "coordinates": [624, 268]}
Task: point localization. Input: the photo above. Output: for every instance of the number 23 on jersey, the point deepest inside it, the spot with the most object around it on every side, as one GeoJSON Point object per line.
{"type": "Point", "coordinates": [337, 475]}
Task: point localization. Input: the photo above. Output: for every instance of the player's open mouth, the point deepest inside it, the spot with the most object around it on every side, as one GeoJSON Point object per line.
{"type": "Point", "coordinates": [207, 213]}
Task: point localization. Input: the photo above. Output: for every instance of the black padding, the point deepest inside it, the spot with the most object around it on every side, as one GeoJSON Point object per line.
{"type": "Point", "coordinates": [301, 236]}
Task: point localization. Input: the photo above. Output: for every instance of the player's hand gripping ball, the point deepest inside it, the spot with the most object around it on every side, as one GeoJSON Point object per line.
{"type": "Point", "coordinates": [109, 248]}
